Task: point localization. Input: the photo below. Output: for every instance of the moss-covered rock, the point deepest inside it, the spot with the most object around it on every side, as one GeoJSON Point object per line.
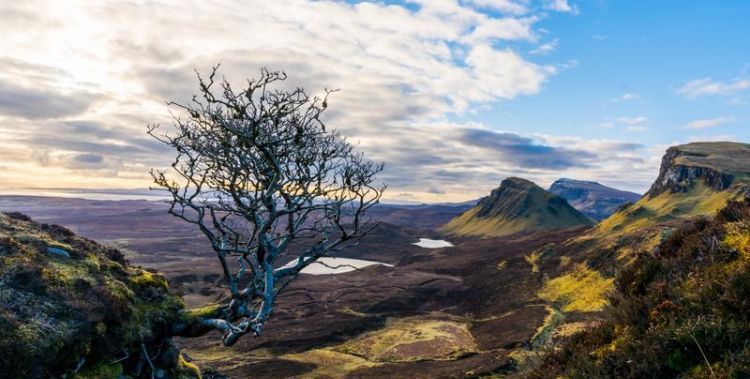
{"type": "Point", "coordinates": [70, 307]}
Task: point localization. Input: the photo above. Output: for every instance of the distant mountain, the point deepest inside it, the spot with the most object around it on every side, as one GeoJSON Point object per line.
{"type": "Point", "coordinates": [591, 198]}
{"type": "Point", "coordinates": [518, 205]}
{"type": "Point", "coordinates": [419, 216]}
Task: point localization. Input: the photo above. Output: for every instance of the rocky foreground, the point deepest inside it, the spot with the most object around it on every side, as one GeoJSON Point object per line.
{"type": "Point", "coordinates": [70, 307]}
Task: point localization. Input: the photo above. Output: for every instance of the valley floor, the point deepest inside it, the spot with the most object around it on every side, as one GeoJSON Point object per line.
{"type": "Point", "coordinates": [443, 312]}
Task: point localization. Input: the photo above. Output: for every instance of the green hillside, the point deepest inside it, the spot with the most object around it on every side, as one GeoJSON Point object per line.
{"type": "Point", "coordinates": [518, 205]}
{"type": "Point", "coordinates": [695, 180]}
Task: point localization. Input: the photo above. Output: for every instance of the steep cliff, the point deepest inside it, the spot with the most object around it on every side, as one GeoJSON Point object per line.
{"type": "Point", "coordinates": [716, 164]}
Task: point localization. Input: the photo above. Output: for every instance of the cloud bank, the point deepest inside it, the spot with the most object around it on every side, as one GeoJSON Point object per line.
{"type": "Point", "coordinates": [80, 81]}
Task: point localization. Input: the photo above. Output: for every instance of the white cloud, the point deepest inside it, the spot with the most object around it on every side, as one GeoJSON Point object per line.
{"type": "Point", "coordinates": [402, 72]}
{"type": "Point", "coordinates": [628, 96]}
{"type": "Point", "coordinates": [501, 29]}
{"type": "Point", "coordinates": [559, 6]}
{"type": "Point", "coordinates": [507, 6]}
{"type": "Point", "coordinates": [545, 48]}
{"type": "Point", "coordinates": [708, 86]}
{"type": "Point", "coordinates": [635, 129]}
{"type": "Point", "coordinates": [709, 123]}
{"type": "Point", "coordinates": [632, 121]}
{"type": "Point", "coordinates": [398, 68]}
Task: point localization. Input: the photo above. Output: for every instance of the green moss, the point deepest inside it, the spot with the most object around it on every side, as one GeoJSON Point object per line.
{"type": "Point", "coordinates": [101, 371]}
{"type": "Point", "coordinates": [202, 312]}
{"type": "Point", "coordinates": [147, 278]}
{"type": "Point", "coordinates": [56, 311]}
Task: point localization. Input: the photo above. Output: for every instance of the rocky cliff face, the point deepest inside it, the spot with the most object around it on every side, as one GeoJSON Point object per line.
{"type": "Point", "coordinates": [518, 205]}
{"type": "Point", "coordinates": [591, 198]}
{"type": "Point", "coordinates": [675, 176]}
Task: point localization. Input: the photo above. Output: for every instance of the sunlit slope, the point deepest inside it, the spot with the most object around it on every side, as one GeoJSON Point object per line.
{"type": "Point", "coordinates": [695, 179]}
{"type": "Point", "coordinates": [518, 205]}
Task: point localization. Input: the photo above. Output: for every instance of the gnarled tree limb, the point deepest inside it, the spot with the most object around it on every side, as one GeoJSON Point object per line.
{"type": "Point", "coordinates": [258, 173]}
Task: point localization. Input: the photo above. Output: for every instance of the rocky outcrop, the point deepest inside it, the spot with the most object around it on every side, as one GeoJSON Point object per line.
{"type": "Point", "coordinates": [678, 175]}
{"type": "Point", "coordinates": [70, 307]}
{"type": "Point", "coordinates": [591, 198]}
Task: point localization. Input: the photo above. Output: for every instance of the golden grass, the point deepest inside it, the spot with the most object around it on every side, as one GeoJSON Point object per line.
{"type": "Point", "coordinates": [581, 290]}
{"type": "Point", "coordinates": [571, 328]}
{"type": "Point", "coordinates": [329, 363]}
{"type": "Point", "coordinates": [467, 224]}
{"type": "Point", "coordinates": [404, 340]}
{"type": "Point", "coordinates": [533, 260]}
{"type": "Point", "coordinates": [412, 339]}
{"type": "Point", "coordinates": [544, 332]}
{"type": "Point", "coordinates": [188, 369]}
{"type": "Point", "coordinates": [502, 265]}
{"type": "Point", "coordinates": [640, 226]}
{"type": "Point", "coordinates": [699, 200]}
{"type": "Point", "coordinates": [564, 261]}
{"type": "Point", "coordinates": [351, 312]}
{"type": "Point", "coordinates": [737, 237]}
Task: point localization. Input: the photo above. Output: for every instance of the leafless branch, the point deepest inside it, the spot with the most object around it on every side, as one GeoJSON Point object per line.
{"type": "Point", "coordinates": [258, 173]}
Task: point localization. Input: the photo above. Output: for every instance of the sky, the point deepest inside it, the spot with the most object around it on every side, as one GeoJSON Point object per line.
{"type": "Point", "coordinates": [453, 96]}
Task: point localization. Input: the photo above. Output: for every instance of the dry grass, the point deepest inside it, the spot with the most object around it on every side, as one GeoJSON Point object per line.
{"type": "Point", "coordinates": [467, 224]}
{"type": "Point", "coordinates": [699, 200]}
{"type": "Point", "coordinates": [412, 339]}
{"type": "Point", "coordinates": [329, 363]}
{"type": "Point", "coordinates": [581, 290]}
{"type": "Point", "coordinates": [502, 264]}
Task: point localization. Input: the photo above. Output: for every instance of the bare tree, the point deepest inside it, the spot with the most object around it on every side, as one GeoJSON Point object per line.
{"type": "Point", "coordinates": [270, 187]}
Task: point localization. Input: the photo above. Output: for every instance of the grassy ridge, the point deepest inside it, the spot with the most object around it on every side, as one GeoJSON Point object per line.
{"type": "Point", "coordinates": [681, 312]}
